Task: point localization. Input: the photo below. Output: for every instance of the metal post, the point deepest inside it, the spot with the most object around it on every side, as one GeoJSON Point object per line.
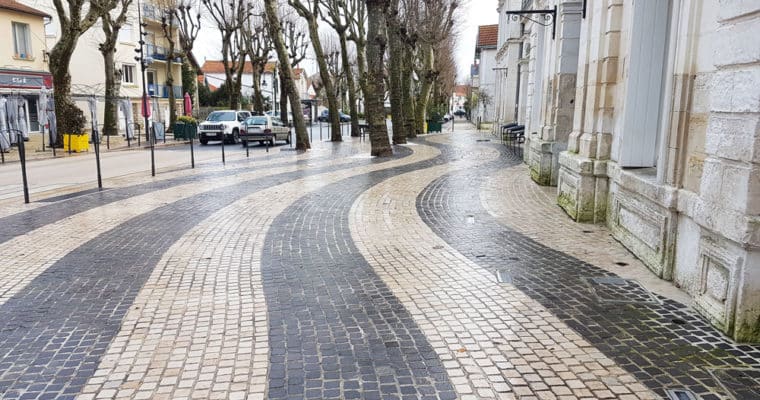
{"type": "Point", "coordinates": [69, 144]}
{"type": "Point", "coordinates": [22, 158]}
{"type": "Point", "coordinates": [192, 151]}
{"type": "Point", "coordinates": [96, 142]}
{"type": "Point", "coordinates": [223, 161]}
{"type": "Point", "coordinates": [152, 152]}
{"type": "Point", "coordinates": [108, 142]}
{"type": "Point", "coordinates": [43, 137]}
{"type": "Point", "coordinates": [247, 150]}
{"type": "Point", "coordinates": [320, 129]}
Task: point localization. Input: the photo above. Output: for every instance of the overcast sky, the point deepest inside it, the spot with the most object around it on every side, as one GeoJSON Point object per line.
{"type": "Point", "coordinates": [473, 13]}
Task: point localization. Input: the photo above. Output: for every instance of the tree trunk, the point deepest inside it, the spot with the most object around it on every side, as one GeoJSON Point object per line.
{"type": "Point", "coordinates": [396, 62]}
{"type": "Point", "coordinates": [69, 116]}
{"type": "Point", "coordinates": [425, 89]}
{"type": "Point", "coordinates": [283, 103]}
{"type": "Point", "coordinates": [258, 102]}
{"type": "Point", "coordinates": [286, 72]}
{"type": "Point", "coordinates": [376, 43]}
{"type": "Point", "coordinates": [111, 111]}
{"type": "Point", "coordinates": [406, 93]}
{"type": "Point", "coordinates": [351, 86]}
{"type": "Point", "coordinates": [327, 83]}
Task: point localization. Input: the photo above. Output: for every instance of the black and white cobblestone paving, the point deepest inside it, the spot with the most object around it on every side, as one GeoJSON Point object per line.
{"type": "Point", "coordinates": [662, 343]}
{"type": "Point", "coordinates": [336, 330]}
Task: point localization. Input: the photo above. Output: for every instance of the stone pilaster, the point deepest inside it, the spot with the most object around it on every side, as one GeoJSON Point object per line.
{"type": "Point", "coordinates": [559, 93]}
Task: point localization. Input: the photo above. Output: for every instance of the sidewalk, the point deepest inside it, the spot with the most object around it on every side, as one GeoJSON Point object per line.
{"type": "Point", "coordinates": [34, 149]}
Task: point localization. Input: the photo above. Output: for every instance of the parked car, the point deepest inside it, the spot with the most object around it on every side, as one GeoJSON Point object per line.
{"type": "Point", "coordinates": [460, 113]}
{"type": "Point", "coordinates": [222, 125]}
{"type": "Point", "coordinates": [447, 118]}
{"type": "Point", "coordinates": [325, 116]}
{"type": "Point", "coordinates": [278, 115]}
{"type": "Point", "coordinates": [263, 128]}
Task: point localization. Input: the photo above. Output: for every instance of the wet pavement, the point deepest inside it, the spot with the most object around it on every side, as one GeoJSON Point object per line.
{"type": "Point", "coordinates": [334, 275]}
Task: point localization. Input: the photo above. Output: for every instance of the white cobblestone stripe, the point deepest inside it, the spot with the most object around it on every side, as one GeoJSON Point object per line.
{"type": "Point", "coordinates": [511, 196]}
{"type": "Point", "coordinates": [25, 257]}
{"type": "Point", "coordinates": [494, 340]}
{"type": "Point", "coordinates": [198, 328]}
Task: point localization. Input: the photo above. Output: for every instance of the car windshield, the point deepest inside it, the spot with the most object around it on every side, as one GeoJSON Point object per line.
{"type": "Point", "coordinates": [256, 121]}
{"type": "Point", "coordinates": [217, 116]}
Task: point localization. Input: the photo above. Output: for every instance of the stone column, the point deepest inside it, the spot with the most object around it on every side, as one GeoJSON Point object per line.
{"type": "Point", "coordinates": [557, 115]}
{"type": "Point", "coordinates": [582, 182]}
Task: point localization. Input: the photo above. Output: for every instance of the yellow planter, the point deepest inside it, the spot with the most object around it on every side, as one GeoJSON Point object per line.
{"type": "Point", "coordinates": [78, 143]}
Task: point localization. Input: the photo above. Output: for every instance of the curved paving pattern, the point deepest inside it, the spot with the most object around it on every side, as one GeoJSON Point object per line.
{"type": "Point", "coordinates": [664, 345]}
{"type": "Point", "coordinates": [336, 330]}
{"type": "Point", "coordinates": [56, 329]}
{"type": "Point", "coordinates": [326, 275]}
{"type": "Point", "coordinates": [20, 223]}
{"type": "Point", "coordinates": [198, 328]}
{"type": "Point", "coordinates": [495, 341]}
{"type": "Point", "coordinates": [26, 256]}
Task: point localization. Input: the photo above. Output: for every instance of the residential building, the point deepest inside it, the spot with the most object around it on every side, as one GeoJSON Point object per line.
{"type": "Point", "coordinates": [214, 77]}
{"type": "Point", "coordinates": [459, 97]}
{"type": "Point", "coordinates": [23, 58]}
{"type": "Point", "coordinates": [483, 75]}
{"type": "Point", "coordinates": [646, 116]}
{"type": "Point", "coordinates": [87, 67]}
{"type": "Point", "coordinates": [509, 65]}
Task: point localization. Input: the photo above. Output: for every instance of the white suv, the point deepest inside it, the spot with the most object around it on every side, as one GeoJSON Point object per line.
{"type": "Point", "coordinates": [223, 124]}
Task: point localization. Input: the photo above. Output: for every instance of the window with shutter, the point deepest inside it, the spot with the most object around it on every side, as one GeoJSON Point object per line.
{"type": "Point", "coordinates": [636, 144]}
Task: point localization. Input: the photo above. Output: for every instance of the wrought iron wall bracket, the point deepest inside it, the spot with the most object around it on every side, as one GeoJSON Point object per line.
{"type": "Point", "coordinates": [547, 15]}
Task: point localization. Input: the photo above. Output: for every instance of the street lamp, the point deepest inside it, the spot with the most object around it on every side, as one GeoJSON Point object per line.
{"type": "Point", "coordinates": [144, 61]}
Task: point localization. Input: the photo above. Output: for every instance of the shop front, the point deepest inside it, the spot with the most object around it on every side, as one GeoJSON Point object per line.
{"type": "Point", "coordinates": [25, 87]}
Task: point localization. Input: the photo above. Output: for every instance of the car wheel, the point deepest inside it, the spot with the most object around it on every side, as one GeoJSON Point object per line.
{"type": "Point", "coordinates": [235, 137]}
{"type": "Point", "coordinates": [204, 141]}
{"type": "Point", "coordinates": [261, 142]}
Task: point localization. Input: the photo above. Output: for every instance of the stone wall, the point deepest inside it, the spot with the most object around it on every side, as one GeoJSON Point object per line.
{"type": "Point", "coordinates": [693, 216]}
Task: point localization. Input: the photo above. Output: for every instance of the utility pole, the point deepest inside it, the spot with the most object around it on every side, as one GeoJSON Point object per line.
{"type": "Point", "coordinates": [145, 109]}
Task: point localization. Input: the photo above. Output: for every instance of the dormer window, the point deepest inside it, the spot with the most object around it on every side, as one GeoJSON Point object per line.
{"type": "Point", "coordinates": [22, 43]}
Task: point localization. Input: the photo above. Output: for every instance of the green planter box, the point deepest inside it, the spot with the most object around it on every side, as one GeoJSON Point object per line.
{"type": "Point", "coordinates": [434, 126]}
{"type": "Point", "coordinates": [184, 131]}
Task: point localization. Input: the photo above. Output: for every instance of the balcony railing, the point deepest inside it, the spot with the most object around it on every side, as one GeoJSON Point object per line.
{"type": "Point", "coordinates": [162, 91]}
{"type": "Point", "coordinates": [151, 12]}
{"type": "Point", "coordinates": [159, 53]}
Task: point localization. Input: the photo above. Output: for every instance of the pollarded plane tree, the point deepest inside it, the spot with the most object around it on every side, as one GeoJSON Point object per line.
{"type": "Point", "coordinates": [230, 18]}
{"type": "Point", "coordinates": [437, 17]}
{"type": "Point", "coordinates": [340, 14]}
{"type": "Point", "coordinates": [75, 17]}
{"type": "Point", "coordinates": [258, 46]}
{"type": "Point", "coordinates": [169, 23]}
{"type": "Point", "coordinates": [297, 43]}
{"type": "Point", "coordinates": [311, 12]}
{"type": "Point", "coordinates": [111, 23]}
{"type": "Point", "coordinates": [377, 41]}
{"type": "Point", "coordinates": [274, 25]}
{"type": "Point", "coordinates": [187, 15]}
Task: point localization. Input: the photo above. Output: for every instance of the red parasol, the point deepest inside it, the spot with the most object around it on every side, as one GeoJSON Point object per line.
{"type": "Point", "coordinates": [188, 105]}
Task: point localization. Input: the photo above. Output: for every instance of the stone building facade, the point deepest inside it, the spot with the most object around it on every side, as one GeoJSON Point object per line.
{"type": "Point", "coordinates": [646, 116]}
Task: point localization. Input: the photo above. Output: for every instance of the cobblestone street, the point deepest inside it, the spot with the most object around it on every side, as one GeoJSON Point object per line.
{"type": "Point", "coordinates": [442, 272]}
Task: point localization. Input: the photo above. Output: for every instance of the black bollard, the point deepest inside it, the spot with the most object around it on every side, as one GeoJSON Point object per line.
{"type": "Point", "coordinates": [22, 158]}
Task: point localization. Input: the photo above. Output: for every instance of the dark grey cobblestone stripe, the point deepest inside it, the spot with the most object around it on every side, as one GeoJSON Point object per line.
{"type": "Point", "coordinates": [642, 338]}
{"type": "Point", "coordinates": [26, 221]}
{"type": "Point", "coordinates": [336, 331]}
{"type": "Point", "coordinates": [54, 332]}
